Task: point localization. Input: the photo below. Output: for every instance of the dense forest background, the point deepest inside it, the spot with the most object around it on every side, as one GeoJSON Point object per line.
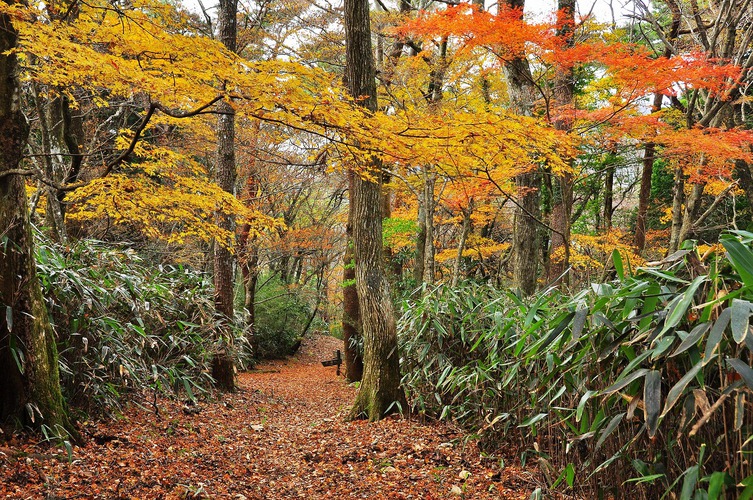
{"type": "Point", "coordinates": [546, 221]}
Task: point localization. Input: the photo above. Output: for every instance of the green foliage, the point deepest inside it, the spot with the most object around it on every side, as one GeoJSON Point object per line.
{"type": "Point", "coordinates": [648, 374]}
{"type": "Point", "coordinates": [397, 229]}
{"type": "Point", "coordinates": [282, 313]}
{"type": "Point", "coordinates": [123, 326]}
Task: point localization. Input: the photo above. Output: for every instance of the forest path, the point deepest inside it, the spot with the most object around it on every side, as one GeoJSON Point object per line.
{"type": "Point", "coordinates": [281, 436]}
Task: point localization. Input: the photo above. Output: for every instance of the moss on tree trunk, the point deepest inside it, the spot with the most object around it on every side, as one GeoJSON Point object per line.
{"type": "Point", "coordinates": [30, 389]}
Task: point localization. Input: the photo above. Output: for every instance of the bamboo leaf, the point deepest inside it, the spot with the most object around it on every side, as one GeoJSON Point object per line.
{"type": "Point", "coordinates": [716, 483]}
{"type": "Point", "coordinates": [715, 337]}
{"type": "Point", "coordinates": [676, 391]}
{"type": "Point", "coordinates": [578, 322]}
{"type": "Point", "coordinates": [688, 484]}
{"type": "Point", "coordinates": [745, 371]}
{"type": "Point", "coordinates": [679, 306]}
{"type": "Point", "coordinates": [740, 319]}
{"type": "Point", "coordinates": [693, 337]}
{"type": "Point", "coordinates": [652, 400]}
{"type": "Point", "coordinates": [611, 426]}
{"type": "Point", "coordinates": [617, 260]}
{"type": "Point", "coordinates": [740, 256]}
{"type": "Point", "coordinates": [624, 382]}
{"type": "Point", "coordinates": [532, 420]}
{"type": "Point", "coordinates": [582, 404]}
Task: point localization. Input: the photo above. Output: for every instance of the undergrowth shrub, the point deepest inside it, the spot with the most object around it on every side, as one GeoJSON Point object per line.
{"type": "Point", "coordinates": [639, 385]}
{"type": "Point", "coordinates": [123, 325]}
{"type": "Point", "coordinates": [282, 314]}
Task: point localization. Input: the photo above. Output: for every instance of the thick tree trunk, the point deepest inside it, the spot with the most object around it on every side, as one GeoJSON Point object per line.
{"type": "Point", "coordinates": [30, 387]}
{"type": "Point", "coordinates": [380, 392]}
{"type": "Point", "coordinates": [225, 174]}
{"type": "Point", "coordinates": [351, 323]}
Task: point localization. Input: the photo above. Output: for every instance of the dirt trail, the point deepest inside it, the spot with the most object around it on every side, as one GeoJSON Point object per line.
{"type": "Point", "coordinates": [282, 435]}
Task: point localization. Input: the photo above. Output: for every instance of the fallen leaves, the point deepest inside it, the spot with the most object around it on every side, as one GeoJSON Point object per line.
{"type": "Point", "coordinates": [282, 435]}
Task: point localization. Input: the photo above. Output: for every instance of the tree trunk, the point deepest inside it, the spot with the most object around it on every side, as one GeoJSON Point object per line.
{"type": "Point", "coordinates": [677, 202]}
{"type": "Point", "coordinates": [464, 230]}
{"type": "Point", "coordinates": [690, 214]}
{"type": "Point", "coordinates": [351, 323]}
{"type": "Point", "coordinates": [743, 173]}
{"type": "Point", "coordinates": [250, 271]}
{"type": "Point", "coordinates": [649, 151]}
{"type": "Point", "coordinates": [525, 241]}
{"type": "Point", "coordinates": [52, 131]}
{"type": "Point", "coordinates": [30, 389]}
{"type": "Point", "coordinates": [608, 196]}
{"type": "Point", "coordinates": [562, 185]}
{"type": "Point", "coordinates": [644, 196]}
{"type": "Point", "coordinates": [223, 370]}
{"type": "Point", "coordinates": [418, 270]}
{"type": "Point", "coordinates": [380, 392]}
{"type": "Point", "coordinates": [429, 269]}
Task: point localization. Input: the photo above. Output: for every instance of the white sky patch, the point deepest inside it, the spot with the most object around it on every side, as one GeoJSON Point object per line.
{"type": "Point", "coordinates": [604, 10]}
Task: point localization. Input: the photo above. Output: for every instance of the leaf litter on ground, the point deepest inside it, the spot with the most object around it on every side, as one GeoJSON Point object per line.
{"type": "Point", "coordinates": [282, 435]}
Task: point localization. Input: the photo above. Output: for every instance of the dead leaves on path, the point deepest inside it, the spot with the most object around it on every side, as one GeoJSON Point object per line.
{"type": "Point", "coordinates": [281, 436]}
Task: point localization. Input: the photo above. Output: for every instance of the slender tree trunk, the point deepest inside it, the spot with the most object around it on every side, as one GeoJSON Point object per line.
{"type": "Point", "coordinates": [743, 173]}
{"type": "Point", "coordinates": [351, 317]}
{"type": "Point", "coordinates": [52, 130]}
{"type": "Point", "coordinates": [525, 241]}
{"type": "Point", "coordinates": [690, 214]}
{"type": "Point", "coordinates": [429, 269]}
{"type": "Point", "coordinates": [608, 210]}
{"type": "Point", "coordinates": [250, 270]}
{"type": "Point", "coordinates": [464, 230]}
{"type": "Point", "coordinates": [30, 389]}
{"type": "Point", "coordinates": [644, 196]}
{"type": "Point", "coordinates": [223, 370]}
{"type": "Point", "coordinates": [380, 392]}
{"type": "Point", "coordinates": [418, 270]}
{"type": "Point", "coordinates": [562, 185]}
{"type": "Point", "coordinates": [649, 151]}
{"type": "Point", "coordinates": [677, 202]}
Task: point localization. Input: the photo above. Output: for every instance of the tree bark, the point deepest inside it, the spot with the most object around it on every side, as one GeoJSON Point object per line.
{"type": "Point", "coordinates": [380, 392]}
{"type": "Point", "coordinates": [418, 270]}
{"type": "Point", "coordinates": [30, 389]}
{"type": "Point", "coordinates": [464, 230]}
{"type": "Point", "coordinates": [525, 241]}
{"type": "Point", "coordinates": [223, 370]}
{"type": "Point", "coordinates": [351, 323]}
{"type": "Point", "coordinates": [429, 251]}
{"type": "Point", "coordinates": [677, 203]}
{"type": "Point", "coordinates": [562, 185]}
{"type": "Point", "coordinates": [649, 151]}
{"type": "Point", "coordinates": [608, 195]}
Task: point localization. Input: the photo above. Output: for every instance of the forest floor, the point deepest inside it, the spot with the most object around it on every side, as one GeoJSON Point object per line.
{"type": "Point", "coordinates": [281, 436]}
